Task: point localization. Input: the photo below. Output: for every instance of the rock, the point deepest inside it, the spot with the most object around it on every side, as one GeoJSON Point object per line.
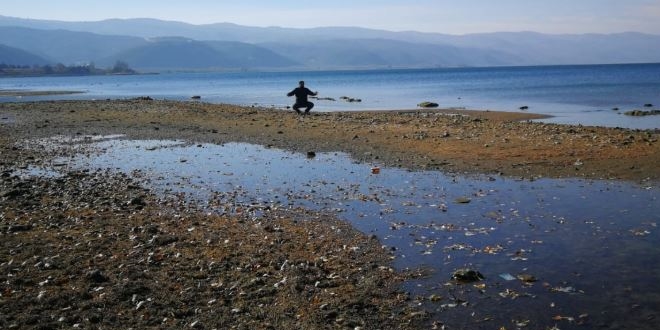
{"type": "Point", "coordinates": [648, 105]}
{"type": "Point", "coordinates": [311, 154]}
{"type": "Point", "coordinates": [97, 276]}
{"type": "Point", "coordinates": [524, 107]}
{"type": "Point", "coordinates": [527, 278]}
{"type": "Point", "coordinates": [138, 201]}
{"type": "Point", "coordinates": [467, 275]}
{"type": "Point", "coordinates": [350, 99]}
{"type": "Point", "coordinates": [195, 97]}
{"type": "Point", "coordinates": [165, 240]}
{"type": "Point", "coordinates": [462, 200]}
{"type": "Point", "coordinates": [14, 193]}
{"type": "Point", "coordinates": [641, 113]}
{"type": "Point", "coordinates": [435, 297]}
{"type": "Point", "coordinates": [17, 228]}
{"type": "Point", "coordinates": [323, 98]}
{"type": "Point", "coordinates": [427, 104]}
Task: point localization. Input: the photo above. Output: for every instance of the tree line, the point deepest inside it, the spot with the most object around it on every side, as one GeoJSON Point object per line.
{"type": "Point", "coordinates": [63, 70]}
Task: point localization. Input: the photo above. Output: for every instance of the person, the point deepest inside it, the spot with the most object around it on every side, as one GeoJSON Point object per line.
{"type": "Point", "coordinates": [301, 93]}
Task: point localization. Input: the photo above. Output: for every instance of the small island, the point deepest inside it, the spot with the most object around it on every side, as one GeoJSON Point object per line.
{"type": "Point", "coordinates": [8, 70]}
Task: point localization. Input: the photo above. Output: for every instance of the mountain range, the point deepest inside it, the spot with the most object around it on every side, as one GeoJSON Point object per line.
{"type": "Point", "coordinates": [154, 45]}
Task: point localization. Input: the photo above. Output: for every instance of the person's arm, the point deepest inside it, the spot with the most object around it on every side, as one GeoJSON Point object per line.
{"type": "Point", "coordinates": [291, 93]}
{"type": "Point", "coordinates": [309, 92]}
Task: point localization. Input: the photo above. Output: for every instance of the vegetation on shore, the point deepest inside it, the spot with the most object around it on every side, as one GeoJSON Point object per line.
{"type": "Point", "coordinates": [63, 70]}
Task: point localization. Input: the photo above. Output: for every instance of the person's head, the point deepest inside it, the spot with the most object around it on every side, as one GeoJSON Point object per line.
{"type": "Point", "coordinates": [301, 83]}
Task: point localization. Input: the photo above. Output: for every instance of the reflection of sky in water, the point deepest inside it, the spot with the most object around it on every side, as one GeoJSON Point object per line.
{"type": "Point", "coordinates": [593, 245]}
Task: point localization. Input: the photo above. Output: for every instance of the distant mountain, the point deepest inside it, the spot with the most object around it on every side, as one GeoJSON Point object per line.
{"type": "Point", "coordinates": [139, 42]}
{"type": "Point", "coordinates": [246, 55]}
{"type": "Point", "coordinates": [541, 49]}
{"type": "Point", "coordinates": [168, 54]}
{"type": "Point", "coordinates": [67, 47]}
{"type": "Point", "coordinates": [181, 53]}
{"type": "Point", "coordinates": [15, 56]}
{"type": "Point", "coordinates": [151, 28]}
{"type": "Point", "coordinates": [347, 53]}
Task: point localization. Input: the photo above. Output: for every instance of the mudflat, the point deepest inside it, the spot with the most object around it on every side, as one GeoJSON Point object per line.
{"type": "Point", "coordinates": [98, 249]}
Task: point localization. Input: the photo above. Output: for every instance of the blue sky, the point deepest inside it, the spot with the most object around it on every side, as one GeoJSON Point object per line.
{"type": "Point", "coordinates": [442, 16]}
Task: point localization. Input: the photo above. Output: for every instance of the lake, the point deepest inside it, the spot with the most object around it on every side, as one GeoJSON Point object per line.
{"type": "Point", "coordinates": [581, 94]}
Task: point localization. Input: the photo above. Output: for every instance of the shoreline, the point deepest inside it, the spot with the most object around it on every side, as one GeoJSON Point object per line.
{"type": "Point", "coordinates": [451, 140]}
{"type": "Point", "coordinates": [484, 114]}
{"type": "Point", "coordinates": [27, 92]}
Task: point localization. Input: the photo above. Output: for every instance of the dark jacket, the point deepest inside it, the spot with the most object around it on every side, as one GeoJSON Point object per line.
{"type": "Point", "coordinates": [301, 94]}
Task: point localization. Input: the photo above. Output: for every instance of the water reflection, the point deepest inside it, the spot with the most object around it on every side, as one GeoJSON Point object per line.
{"type": "Point", "coordinates": [591, 246]}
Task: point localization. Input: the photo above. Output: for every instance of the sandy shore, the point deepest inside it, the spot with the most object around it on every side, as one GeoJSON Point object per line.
{"type": "Point", "coordinates": [494, 143]}
{"type": "Point", "coordinates": [99, 250]}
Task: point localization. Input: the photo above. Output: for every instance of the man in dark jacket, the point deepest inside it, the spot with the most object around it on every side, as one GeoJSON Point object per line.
{"type": "Point", "coordinates": [301, 94]}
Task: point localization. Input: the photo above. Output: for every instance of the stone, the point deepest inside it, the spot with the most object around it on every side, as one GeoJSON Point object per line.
{"type": "Point", "coordinates": [641, 113]}
{"type": "Point", "coordinates": [527, 278]}
{"type": "Point", "coordinates": [18, 228]}
{"type": "Point", "coordinates": [138, 201]}
{"type": "Point", "coordinates": [427, 104]}
{"type": "Point", "coordinates": [165, 240]}
{"type": "Point", "coordinates": [14, 193]}
{"type": "Point", "coordinates": [467, 275]}
{"type": "Point", "coordinates": [97, 276]}
{"type": "Point", "coordinates": [462, 200]}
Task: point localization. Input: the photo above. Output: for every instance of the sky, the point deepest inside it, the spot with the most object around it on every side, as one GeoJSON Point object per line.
{"type": "Point", "coordinates": [440, 16]}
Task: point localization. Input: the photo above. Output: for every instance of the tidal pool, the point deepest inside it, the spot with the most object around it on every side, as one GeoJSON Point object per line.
{"type": "Point", "coordinates": [555, 254]}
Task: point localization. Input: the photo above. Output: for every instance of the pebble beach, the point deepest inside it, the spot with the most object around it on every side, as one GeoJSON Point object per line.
{"type": "Point", "coordinates": [97, 249]}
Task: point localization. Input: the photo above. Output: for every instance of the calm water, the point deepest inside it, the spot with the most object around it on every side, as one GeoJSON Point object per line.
{"type": "Point", "coordinates": [573, 94]}
{"type": "Point", "coordinates": [592, 245]}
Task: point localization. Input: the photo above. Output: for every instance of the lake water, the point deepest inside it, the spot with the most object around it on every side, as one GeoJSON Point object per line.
{"type": "Point", "coordinates": [593, 246]}
{"type": "Point", "coordinates": [572, 94]}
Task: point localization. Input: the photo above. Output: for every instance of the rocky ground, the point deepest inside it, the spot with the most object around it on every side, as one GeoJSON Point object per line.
{"type": "Point", "coordinates": [95, 250]}
{"type": "Point", "coordinates": [98, 250]}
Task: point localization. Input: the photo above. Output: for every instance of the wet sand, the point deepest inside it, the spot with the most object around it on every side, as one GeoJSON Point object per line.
{"type": "Point", "coordinates": [97, 249]}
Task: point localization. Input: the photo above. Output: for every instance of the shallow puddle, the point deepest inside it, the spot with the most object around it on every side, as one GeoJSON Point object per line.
{"type": "Point", "coordinates": [554, 253]}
